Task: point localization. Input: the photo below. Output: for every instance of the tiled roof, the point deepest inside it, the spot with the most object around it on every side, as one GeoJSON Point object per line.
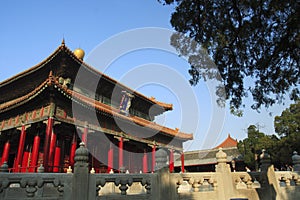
{"type": "Point", "coordinates": [228, 142]}
{"type": "Point", "coordinates": [137, 120]}
{"type": "Point", "coordinates": [25, 98]}
{"type": "Point", "coordinates": [64, 48]}
{"type": "Point", "coordinates": [98, 105]}
{"type": "Point", "coordinates": [203, 157]}
{"type": "Point", "coordinates": [166, 106]}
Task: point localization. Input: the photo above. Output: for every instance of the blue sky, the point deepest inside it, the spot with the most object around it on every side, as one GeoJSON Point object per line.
{"type": "Point", "coordinates": [32, 30]}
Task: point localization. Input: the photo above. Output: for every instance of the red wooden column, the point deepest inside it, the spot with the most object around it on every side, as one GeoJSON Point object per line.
{"type": "Point", "coordinates": [121, 152]}
{"type": "Point", "coordinates": [57, 155]}
{"type": "Point", "coordinates": [25, 160]}
{"type": "Point", "coordinates": [73, 149]}
{"type": "Point", "coordinates": [84, 135]}
{"type": "Point", "coordinates": [110, 158]}
{"type": "Point", "coordinates": [51, 150]}
{"type": "Point", "coordinates": [35, 153]}
{"type": "Point", "coordinates": [153, 158]}
{"type": "Point", "coordinates": [20, 148]}
{"type": "Point", "coordinates": [5, 153]}
{"type": "Point", "coordinates": [47, 142]}
{"type": "Point", "coordinates": [171, 161]}
{"type": "Point", "coordinates": [15, 168]}
{"type": "Point", "coordinates": [182, 162]}
{"type": "Point", "coordinates": [145, 162]}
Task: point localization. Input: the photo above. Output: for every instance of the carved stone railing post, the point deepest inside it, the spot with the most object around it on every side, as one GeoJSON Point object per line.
{"type": "Point", "coordinates": [4, 167]}
{"type": "Point", "coordinates": [80, 185]}
{"type": "Point", "coordinates": [161, 158]}
{"type": "Point", "coordinates": [225, 175]}
{"type": "Point", "coordinates": [265, 161]}
{"type": "Point", "coordinates": [166, 187]}
{"type": "Point", "coordinates": [222, 165]}
{"type": "Point", "coordinates": [296, 161]}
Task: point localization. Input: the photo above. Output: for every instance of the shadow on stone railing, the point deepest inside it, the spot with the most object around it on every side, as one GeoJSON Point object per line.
{"type": "Point", "coordinates": [15, 186]}
{"type": "Point", "coordinates": [122, 184]}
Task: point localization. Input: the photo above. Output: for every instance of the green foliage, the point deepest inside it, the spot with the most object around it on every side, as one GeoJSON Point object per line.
{"type": "Point", "coordinates": [251, 146]}
{"type": "Point", "coordinates": [246, 39]}
{"type": "Point", "coordinates": [287, 126]}
{"type": "Point", "coordinates": [288, 123]}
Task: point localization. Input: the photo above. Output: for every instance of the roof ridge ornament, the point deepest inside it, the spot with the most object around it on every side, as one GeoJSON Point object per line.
{"type": "Point", "coordinates": [63, 42]}
{"type": "Point", "coordinates": [50, 77]}
{"type": "Point", "coordinates": [50, 74]}
{"type": "Point", "coordinates": [79, 53]}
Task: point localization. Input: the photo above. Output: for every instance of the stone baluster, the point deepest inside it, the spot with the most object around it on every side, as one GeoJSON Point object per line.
{"type": "Point", "coordinates": [296, 161]}
{"type": "Point", "coordinates": [124, 183]}
{"type": "Point", "coordinates": [196, 183]}
{"type": "Point", "coordinates": [31, 188]}
{"type": "Point", "coordinates": [41, 169]}
{"type": "Point", "coordinates": [147, 183]}
{"type": "Point", "coordinates": [100, 183]}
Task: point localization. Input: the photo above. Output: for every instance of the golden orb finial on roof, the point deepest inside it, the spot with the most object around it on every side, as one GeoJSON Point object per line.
{"type": "Point", "coordinates": [79, 53]}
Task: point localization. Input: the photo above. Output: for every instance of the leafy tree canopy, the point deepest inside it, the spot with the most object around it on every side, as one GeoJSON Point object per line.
{"type": "Point", "coordinates": [288, 123]}
{"type": "Point", "coordinates": [251, 146]}
{"type": "Point", "coordinates": [259, 40]}
{"type": "Point", "coordinates": [287, 126]}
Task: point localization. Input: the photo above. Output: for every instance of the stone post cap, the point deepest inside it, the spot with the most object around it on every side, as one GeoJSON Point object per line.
{"type": "Point", "coordinates": [296, 158]}
{"type": "Point", "coordinates": [4, 167]}
{"type": "Point", "coordinates": [69, 170]}
{"type": "Point", "coordinates": [82, 154]}
{"type": "Point", "coordinates": [221, 156]}
{"type": "Point", "coordinates": [264, 155]}
{"type": "Point", "coordinates": [161, 158]}
{"type": "Point", "coordinates": [40, 169]}
{"type": "Point", "coordinates": [92, 171]}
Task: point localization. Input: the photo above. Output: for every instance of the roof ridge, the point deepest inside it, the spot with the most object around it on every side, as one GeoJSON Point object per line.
{"type": "Point", "coordinates": [229, 139]}
{"type": "Point", "coordinates": [37, 66]}
{"type": "Point", "coordinates": [62, 46]}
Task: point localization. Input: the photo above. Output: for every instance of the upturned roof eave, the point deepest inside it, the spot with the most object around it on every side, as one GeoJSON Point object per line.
{"type": "Point", "coordinates": [63, 47]}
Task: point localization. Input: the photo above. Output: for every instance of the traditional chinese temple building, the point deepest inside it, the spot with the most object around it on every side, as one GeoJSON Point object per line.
{"type": "Point", "coordinates": [205, 160]}
{"type": "Point", "coordinates": [47, 110]}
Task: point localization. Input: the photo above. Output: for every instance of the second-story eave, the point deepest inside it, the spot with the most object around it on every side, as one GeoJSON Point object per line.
{"type": "Point", "coordinates": [77, 97]}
